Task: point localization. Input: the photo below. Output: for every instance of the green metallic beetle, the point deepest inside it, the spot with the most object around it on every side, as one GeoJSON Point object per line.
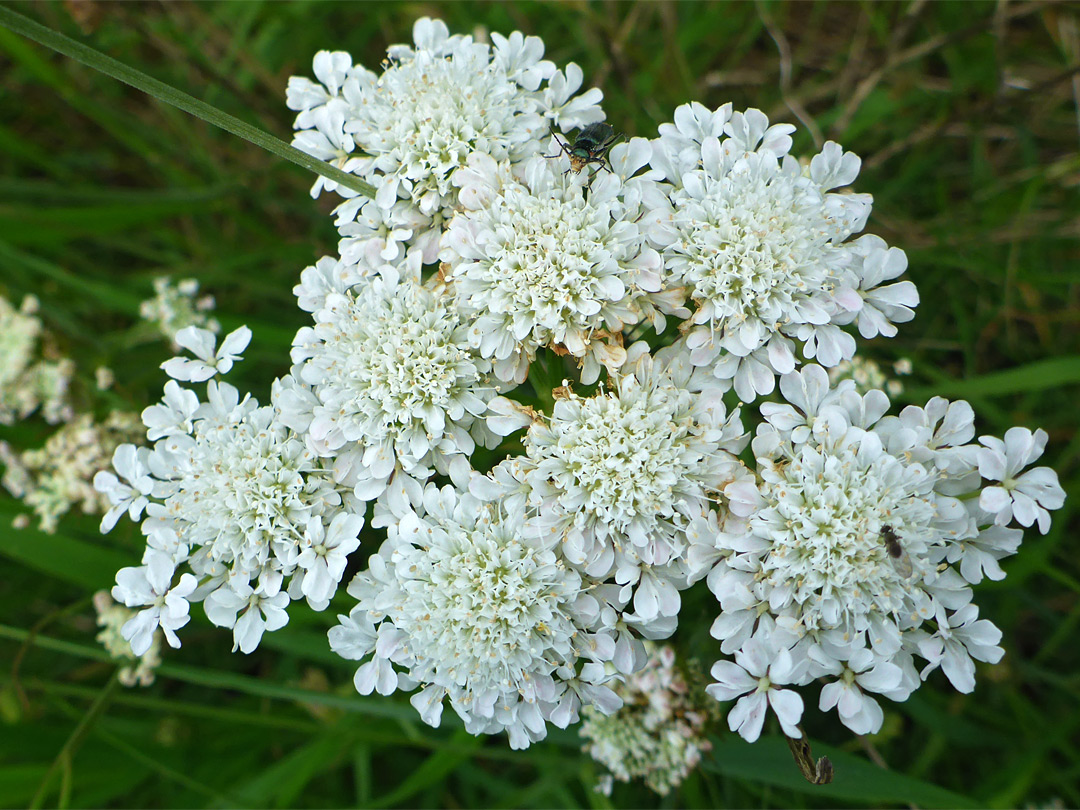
{"type": "Point", "coordinates": [591, 145]}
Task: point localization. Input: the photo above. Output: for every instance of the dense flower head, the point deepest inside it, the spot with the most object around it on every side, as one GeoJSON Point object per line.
{"type": "Point", "coordinates": [659, 733]}
{"type": "Point", "coordinates": [413, 126]}
{"type": "Point", "coordinates": [468, 602]}
{"type": "Point", "coordinates": [545, 257]}
{"type": "Point", "coordinates": [862, 542]}
{"type": "Point", "coordinates": [757, 241]}
{"type": "Point", "coordinates": [386, 381]}
{"type": "Point", "coordinates": [620, 475]}
{"type": "Point", "coordinates": [229, 491]}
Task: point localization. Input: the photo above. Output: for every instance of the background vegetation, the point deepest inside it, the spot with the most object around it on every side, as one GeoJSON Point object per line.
{"type": "Point", "coordinates": [966, 115]}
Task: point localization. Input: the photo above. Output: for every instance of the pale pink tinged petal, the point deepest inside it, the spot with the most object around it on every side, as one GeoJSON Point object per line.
{"type": "Point", "coordinates": [755, 657]}
{"type": "Point", "coordinates": [200, 342]}
{"type": "Point", "coordinates": [748, 716]}
{"type": "Point", "coordinates": [991, 463]}
{"type": "Point", "coordinates": [248, 631]}
{"type": "Point", "coordinates": [994, 500]}
{"type": "Point", "coordinates": [830, 695]}
{"type": "Point", "coordinates": [788, 706]}
{"type": "Point", "coordinates": [732, 681]}
{"type": "Point", "coordinates": [235, 342]}
{"type": "Point", "coordinates": [848, 299]}
{"type": "Point", "coordinates": [1024, 509]}
{"type": "Point", "coordinates": [958, 668]}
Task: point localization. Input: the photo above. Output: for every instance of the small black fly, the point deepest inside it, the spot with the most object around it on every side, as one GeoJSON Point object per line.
{"type": "Point", "coordinates": [899, 556]}
{"type": "Point", "coordinates": [591, 146]}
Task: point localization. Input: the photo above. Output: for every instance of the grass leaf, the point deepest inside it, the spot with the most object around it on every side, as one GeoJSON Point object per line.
{"type": "Point", "coordinates": [177, 98]}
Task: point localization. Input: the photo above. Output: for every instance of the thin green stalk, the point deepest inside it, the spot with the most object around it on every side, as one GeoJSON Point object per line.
{"type": "Point", "coordinates": [80, 52]}
{"type": "Point", "coordinates": [152, 764]}
{"type": "Point", "coordinates": [73, 742]}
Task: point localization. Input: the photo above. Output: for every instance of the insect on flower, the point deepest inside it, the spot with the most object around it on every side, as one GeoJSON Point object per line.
{"type": "Point", "coordinates": [591, 145]}
{"type": "Point", "coordinates": [900, 557]}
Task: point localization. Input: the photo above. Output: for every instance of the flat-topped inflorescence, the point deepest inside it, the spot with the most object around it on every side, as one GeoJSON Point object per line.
{"type": "Point", "coordinates": [537, 535]}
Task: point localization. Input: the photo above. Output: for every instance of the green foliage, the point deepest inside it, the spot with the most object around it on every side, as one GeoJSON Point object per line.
{"type": "Point", "coordinates": [966, 116]}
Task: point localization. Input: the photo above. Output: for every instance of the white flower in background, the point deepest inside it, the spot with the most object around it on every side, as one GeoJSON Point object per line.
{"type": "Point", "coordinates": [417, 122]}
{"type": "Point", "coordinates": [1026, 497]}
{"type": "Point", "coordinates": [32, 378]}
{"type": "Point", "coordinates": [176, 306]}
{"type": "Point", "coordinates": [758, 243]}
{"type": "Point", "coordinates": [620, 475]}
{"type": "Point", "coordinates": [393, 383]}
{"type": "Point", "coordinates": [868, 375]}
{"type": "Point", "coordinates": [541, 262]}
{"type": "Point", "coordinates": [58, 476]}
{"type": "Point", "coordinates": [466, 601]}
{"type": "Point", "coordinates": [209, 361]}
{"type": "Point", "coordinates": [843, 568]}
{"type": "Point", "coordinates": [659, 733]}
{"type": "Point", "coordinates": [151, 584]}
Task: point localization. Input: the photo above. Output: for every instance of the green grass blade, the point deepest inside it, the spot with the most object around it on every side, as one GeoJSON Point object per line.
{"type": "Point", "coordinates": [218, 679]}
{"type": "Point", "coordinates": [63, 558]}
{"type": "Point", "coordinates": [80, 52]}
{"type": "Point", "coordinates": [1054, 372]}
{"type": "Point", "coordinates": [769, 761]}
{"type": "Point", "coordinates": [434, 770]}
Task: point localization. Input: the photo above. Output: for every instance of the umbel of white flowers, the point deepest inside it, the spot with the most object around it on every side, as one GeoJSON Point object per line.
{"type": "Point", "coordinates": [846, 553]}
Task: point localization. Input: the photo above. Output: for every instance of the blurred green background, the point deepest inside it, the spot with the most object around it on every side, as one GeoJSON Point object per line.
{"type": "Point", "coordinates": [966, 115]}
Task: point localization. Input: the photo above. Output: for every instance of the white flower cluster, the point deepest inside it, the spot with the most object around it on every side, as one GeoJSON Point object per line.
{"type": "Point", "coordinates": [863, 539]}
{"type": "Point", "coordinates": [659, 733]}
{"type": "Point", "coordinates": [758, 242]}
{"type": "Point", "coordinates": [494, 254]}
{"type": "Point", "coordinates": [536, 262]}
{"type": "Point", "coordinates": [469, 601]}
{"type": "Point", "coordinates": [385, 383]}
{"type": "Point", "coordinates": [230, 493]}
{"type": "Point", "coordinates": [620, 476]}
{"type": "Point", "coordinates": [31, 378]}
{"type": "Point", "coordinates": [176, 306]}
{"type": "Point", "coordinates": [408, 130]}
{"type": "Point", "coordinates": [59, 475]}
